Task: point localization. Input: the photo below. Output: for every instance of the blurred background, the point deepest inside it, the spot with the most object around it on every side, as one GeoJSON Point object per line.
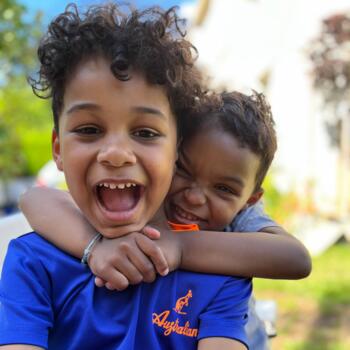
{"type": "Point", "coordinates": [296, 52]}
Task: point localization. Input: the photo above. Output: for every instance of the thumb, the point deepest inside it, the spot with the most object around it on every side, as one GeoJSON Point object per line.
{"type": "Point", "coordinates": [151, 232]}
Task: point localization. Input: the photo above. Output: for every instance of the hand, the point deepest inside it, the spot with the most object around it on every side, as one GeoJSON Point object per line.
{"type": "Point", "coordinates": [170, 243]}
{"type": "Point", "coordinates": [126, 260]}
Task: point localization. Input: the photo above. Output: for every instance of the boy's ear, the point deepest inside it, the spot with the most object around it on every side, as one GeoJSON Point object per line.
{"type": "Point", "coordinates": [56, 150]}
{"type": "Point", "coordinates": [255, 197]}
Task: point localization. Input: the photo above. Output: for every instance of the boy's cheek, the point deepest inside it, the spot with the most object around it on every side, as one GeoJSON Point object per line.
{"type": "Point", "coordinates": [178, 184]}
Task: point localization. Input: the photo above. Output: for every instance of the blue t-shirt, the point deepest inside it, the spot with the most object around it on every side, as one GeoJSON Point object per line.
{"type": "Point", "coordinates": [253, 219]}
{"type": "Point", "coordinates": [48, 299]}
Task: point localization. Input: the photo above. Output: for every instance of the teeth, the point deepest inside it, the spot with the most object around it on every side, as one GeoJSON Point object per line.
{"type": "Point", "coordinates": [186, 215]}
{"type": "Point", "coordinates": [113, 186]}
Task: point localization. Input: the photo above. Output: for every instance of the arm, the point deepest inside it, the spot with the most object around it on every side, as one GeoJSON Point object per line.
{"type": "Point", "coordinates": [54, 215]}
{"type": "Point", "coordinates": [19, 347]}
{"type": "Point", "coordinates": [215, 343]}
{"type": "Point", "coordinates": [269, 254]}
{"type": "Point", "coordinates": [129, 259]}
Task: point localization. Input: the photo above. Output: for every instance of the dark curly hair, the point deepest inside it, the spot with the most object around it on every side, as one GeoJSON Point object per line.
{"type": "Point", "coordinates": [149, 41]}
{"type": "Point", "coordinates": [247, 118]}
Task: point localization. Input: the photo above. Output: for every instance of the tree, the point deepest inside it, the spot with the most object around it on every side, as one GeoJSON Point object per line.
{"type": "Point", "coordinates": [24, 120]}
{"type": "Point", "coordinates": [330, 55]}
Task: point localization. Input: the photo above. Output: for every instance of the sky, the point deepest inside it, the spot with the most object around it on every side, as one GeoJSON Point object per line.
{"type": "Point", "coordinates": [50, 8]}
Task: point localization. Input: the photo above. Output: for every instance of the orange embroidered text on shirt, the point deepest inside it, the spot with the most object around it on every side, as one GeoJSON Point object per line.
{"type": "Point", "coordinates": [162, 319]}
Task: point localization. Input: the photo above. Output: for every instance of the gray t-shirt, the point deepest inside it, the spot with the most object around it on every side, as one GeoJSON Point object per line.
{"type": "Point", "coordinates": [253, 219]}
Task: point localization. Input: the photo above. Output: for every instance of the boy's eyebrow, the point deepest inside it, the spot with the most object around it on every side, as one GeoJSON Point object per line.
{"type": "Point", "coordinates": [149, 110]}
{"type": "Point", "coordinates": [235, 179]}
{"type": "Point", "coordinates": [94, 107]}
{"type": "Point", "coordinates": [83, 106]}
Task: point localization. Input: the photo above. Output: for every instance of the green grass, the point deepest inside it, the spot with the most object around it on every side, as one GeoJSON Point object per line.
{"type": "Point", "coordinates": [314, 313]}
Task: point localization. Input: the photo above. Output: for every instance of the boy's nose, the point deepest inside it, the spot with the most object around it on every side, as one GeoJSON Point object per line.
{"type": "Point", "coordinates": [195, 196]}
{"type": "Point", "coordinates": [116, 153]}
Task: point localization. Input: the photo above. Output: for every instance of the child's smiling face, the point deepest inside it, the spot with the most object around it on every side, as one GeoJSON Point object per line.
{"type": "Point", "coordinates": [215, 179]}
{"type": "Point", "coordinates": [116, 146]}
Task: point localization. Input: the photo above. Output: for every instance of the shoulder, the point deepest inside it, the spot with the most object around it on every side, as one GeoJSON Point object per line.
{"type": "Point", "coordinates": [32, 253]}
{"type": "Point", "coordinates": [227, 313]}
{"type": "Point", "coordinates": [38, 246]}
{"type": "Point", "coordinates": [251, 219]}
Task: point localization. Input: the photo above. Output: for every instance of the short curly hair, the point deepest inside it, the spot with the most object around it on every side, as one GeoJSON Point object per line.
{"type": "Point", "coordinates": [248, 118]}
{"type": "Point", "coordinates": [150, 41]}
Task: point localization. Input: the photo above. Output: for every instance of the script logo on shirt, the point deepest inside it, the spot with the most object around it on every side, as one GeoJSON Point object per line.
{"type": "Point", "coordinates": [163, 320]}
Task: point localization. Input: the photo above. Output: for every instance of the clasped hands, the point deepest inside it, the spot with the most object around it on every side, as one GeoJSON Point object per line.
{"type": "Point", "coordinates": [135, 258]}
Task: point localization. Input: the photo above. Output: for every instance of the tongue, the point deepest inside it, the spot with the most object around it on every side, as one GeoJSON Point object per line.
{"type": "Point", "coordinates": [118, 200]}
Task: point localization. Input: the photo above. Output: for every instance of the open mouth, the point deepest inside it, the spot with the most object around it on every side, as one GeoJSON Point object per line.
{"type": "Point", "coordinates": [118, 197]}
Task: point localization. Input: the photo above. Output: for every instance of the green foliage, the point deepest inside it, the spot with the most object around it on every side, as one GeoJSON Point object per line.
{"type": "Point", "coordinates": [280, 206]}
{"type": "Point", "coordinates": [25, 121]}
{"type": "Point", "coordinates": [313, 312]}
{"type": "Point", "coordinates": [329, 282]}
{"type": "Point", "coordinates": [18, 39]}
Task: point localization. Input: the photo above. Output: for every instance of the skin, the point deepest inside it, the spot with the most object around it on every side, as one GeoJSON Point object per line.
{"type": "Point", "coordinates": [207, 195]}
{"type": "Point", "coordinates": [213, 194]}
{"type": "Point", "coordinates": [106, 137]}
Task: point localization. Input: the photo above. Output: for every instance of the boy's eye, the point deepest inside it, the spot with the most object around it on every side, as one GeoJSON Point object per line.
{"type": "Point", "coordinates": [181, 170]}
{"type": "Point", "coordinates": [146, 133]}
{"type": "Point", "coordinates": [87, 130]}
{"type": "Point", "coordinates": [225, 189]}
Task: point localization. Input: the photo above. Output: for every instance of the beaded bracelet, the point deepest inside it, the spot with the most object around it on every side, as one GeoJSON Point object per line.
{"type": "Point", "coordinates": [88, 249]}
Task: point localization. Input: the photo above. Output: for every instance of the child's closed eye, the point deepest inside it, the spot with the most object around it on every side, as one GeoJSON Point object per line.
{"type": "Point", "coordinates": [226, 189]}
{"type": "Point", "coordinates": [181, 170]}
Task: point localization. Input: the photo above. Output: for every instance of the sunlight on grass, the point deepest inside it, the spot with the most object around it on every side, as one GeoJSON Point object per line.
{"type": "Point", "coordinates": [314, 314]}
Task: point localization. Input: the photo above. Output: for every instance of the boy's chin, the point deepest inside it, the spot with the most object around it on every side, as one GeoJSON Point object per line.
{"type": "Point", "coordinates": [120, 231]}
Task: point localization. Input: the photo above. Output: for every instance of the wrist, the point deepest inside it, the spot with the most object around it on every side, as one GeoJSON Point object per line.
{"type": "Point", "coordinates": [89, 248]}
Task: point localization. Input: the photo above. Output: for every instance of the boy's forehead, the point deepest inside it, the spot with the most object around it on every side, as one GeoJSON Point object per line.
{"type": "Point", "coordinates": [93, 79]}
{"type": "Point", "coordinates": [222, 154]}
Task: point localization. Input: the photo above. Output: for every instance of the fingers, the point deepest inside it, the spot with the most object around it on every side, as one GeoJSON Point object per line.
{"type": "Point", "coordinates": [153, 252]}
{"type": "Point", "coordinates": [130, 260]}
{"type": "Point", "coordinates": [99, 282]}
{"type": "Point", "coordinates": [143, 264]}
{"type": "Point", "coordinates": [151, 232]}
{"type": "Point", "coordinates": [119, 277]}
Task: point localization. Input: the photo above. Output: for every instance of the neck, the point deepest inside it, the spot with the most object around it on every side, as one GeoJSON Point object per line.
{"type": "Point", "coordinates": [159, 219]}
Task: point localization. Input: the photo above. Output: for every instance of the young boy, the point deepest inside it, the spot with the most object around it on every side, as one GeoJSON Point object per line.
{"type": "Point", "coordinates": [117, 81]}
{"type": "Point", "coordinates": [227, 148]}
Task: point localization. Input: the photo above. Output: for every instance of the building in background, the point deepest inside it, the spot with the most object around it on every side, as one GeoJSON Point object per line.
{"type": "Point", "coordinates": [263, 45]}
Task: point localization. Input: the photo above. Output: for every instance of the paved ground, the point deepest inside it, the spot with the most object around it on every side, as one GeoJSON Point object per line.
{"type": "Point", "coordinates": [11, 227]}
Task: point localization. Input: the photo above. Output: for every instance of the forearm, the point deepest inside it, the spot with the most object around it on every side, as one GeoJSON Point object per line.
{"type": "Point", "coordinates": [258, 254]}
{"type": "Point", "coordinates": [54, 215]}
{"type": "Point", "coordinates": [20, 347]}
{"type": "Point", "coordinates": [215, 343]}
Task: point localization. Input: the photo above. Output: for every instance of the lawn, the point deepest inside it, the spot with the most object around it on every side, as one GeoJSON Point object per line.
{"type": "Point", "coordinates": [313, 314]}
